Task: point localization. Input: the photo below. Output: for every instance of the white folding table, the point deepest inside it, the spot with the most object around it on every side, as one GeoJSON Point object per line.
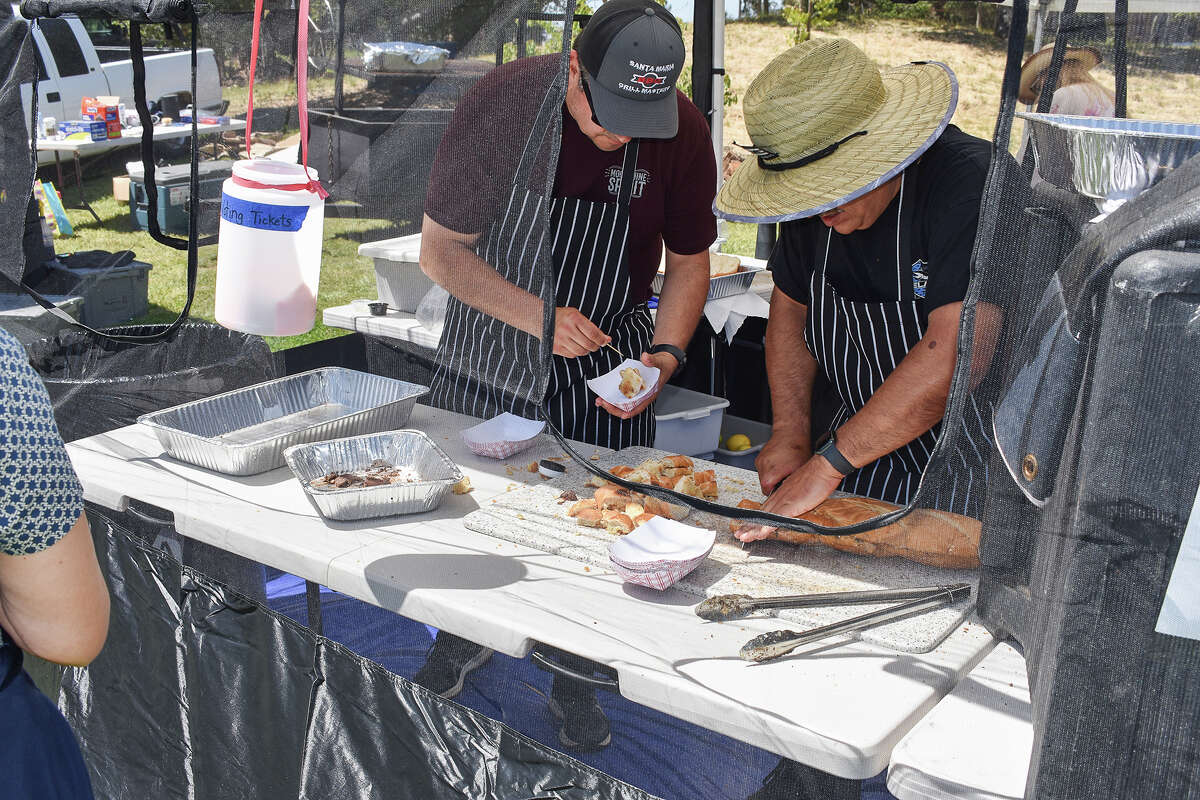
{"type": "Point", "coordinates": [841, 706]}
{"type": "Point", "coordinates": [976, 743]}
{"type": "Point", "coordinates": [130, 137]}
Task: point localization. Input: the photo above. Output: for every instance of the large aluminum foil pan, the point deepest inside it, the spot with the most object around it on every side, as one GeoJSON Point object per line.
{"type": "Point", "coordinates": [245, 432]}
{"type": "Point", "coordinates": [399, 449]}
{"type": "Point", "coordinates": [1109, 160]}
{"type": "Point", "coordinates": [723, 286]}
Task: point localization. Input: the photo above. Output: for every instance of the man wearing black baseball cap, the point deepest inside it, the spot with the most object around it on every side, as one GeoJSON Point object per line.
{"type": "Point", "coordinates": [634, 174]}
{"type": "Point", "coordinates": [632, 52]}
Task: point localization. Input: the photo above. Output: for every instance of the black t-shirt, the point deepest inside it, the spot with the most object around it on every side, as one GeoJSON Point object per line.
{"type": "Point", "coordinates": [944, 187]}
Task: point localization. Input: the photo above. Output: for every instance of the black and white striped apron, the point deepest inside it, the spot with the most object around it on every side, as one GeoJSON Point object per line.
{"type": "Point", "coordinates": [486, 367]}
{"type": "Point", "coordinates": [858, 345]}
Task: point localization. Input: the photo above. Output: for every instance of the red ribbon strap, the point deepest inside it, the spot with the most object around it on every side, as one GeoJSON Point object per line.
{"type": "Point", "coordinates": [311, 186]}
{"type": "Point", "coordinates": [302, 96]}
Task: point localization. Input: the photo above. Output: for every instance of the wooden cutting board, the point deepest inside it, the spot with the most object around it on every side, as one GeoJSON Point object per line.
{"type": "Point", "coordinates": [535, 516]}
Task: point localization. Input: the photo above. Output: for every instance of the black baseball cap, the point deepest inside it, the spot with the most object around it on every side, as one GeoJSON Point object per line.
{"type": "Point", "coordinates": [633, 52]}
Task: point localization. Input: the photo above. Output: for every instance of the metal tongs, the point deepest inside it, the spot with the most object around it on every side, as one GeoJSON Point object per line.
{"type": "Point", "coordinates": [778, 643]}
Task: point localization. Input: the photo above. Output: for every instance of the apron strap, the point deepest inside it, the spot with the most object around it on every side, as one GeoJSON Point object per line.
{"type": "Point", "coordinates": [628, 179]}
{"type": "Point", "coordinates": [551, 102]}
{"type": "Point", "coordinates": [904, 252]}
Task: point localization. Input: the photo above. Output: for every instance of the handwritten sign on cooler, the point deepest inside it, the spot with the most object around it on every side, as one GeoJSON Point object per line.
{"type": "Point", "coordinates": [262, 216]}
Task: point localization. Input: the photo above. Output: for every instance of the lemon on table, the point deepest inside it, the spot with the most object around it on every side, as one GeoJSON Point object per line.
{"type": "Point", "coordinates": [739, 441]}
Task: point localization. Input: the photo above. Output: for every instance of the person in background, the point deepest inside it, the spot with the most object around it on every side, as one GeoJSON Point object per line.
{"type": "Point", "coordinates": [53, 600]}
{"type": "Point", "coordinates": [635, 174]}
{"type": "Point", "coordinates": [879, 197]}
{"type": "Point", "coordinates": [1078, 93]}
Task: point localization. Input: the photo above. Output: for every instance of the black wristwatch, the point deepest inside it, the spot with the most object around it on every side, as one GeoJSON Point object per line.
{"type": "Point", "coordinates": [834, 456]}
{"type": "Point", "coordinates": [680, 356]}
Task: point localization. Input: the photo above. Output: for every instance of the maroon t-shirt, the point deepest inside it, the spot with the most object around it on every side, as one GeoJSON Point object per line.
{"type": "Point", "coordinates": [675, 179]}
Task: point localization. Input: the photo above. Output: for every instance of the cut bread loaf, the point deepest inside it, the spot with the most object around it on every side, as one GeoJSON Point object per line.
{"type": "Point", "coordinates": [722, 264]}
{"type": "Point", "coordinates": [936, 538]}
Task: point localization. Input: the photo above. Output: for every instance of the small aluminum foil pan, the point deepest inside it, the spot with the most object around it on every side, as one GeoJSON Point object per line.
{"type": "Point", "coordinates": [723, 286]}
{"type": "Point", "coordinates": [245, 431]}
{"type": "Point", "coordinates": [1110, 160]}
{"type": "Point", "coordinates": [400, 449]}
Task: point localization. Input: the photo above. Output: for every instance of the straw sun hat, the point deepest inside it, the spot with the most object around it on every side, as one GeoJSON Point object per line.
{"type": "Point", "coordinates": [1039, 62]}
{"type": "Point", "coordinates": [827, 127]}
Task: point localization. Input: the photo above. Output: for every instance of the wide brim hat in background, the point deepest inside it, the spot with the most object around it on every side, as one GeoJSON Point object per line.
{"type": "Point", "coordinates": [1039, 62]}
{"type": "Point", "coordinates": [849, 126]}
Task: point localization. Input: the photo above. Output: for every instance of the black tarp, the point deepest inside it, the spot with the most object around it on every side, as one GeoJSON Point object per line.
{"type": "Point", "coordinates": [213, 695]}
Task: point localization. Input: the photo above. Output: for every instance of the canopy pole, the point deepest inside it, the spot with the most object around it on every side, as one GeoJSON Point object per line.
{"type": "Point", "coordinates": [718, 96]}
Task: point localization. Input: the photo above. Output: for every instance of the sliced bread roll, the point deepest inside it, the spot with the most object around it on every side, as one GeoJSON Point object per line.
{"type": "Point", "coordinates": [722, 264]}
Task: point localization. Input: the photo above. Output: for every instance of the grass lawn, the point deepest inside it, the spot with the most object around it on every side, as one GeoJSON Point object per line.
{"type": "Point", "coordinates": [345, 275]}
{"type": "Point", "coordinates": [977, 59]}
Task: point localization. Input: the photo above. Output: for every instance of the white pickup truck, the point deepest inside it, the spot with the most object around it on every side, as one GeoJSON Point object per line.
{"type": "Point", "coordinates": [74, 68]}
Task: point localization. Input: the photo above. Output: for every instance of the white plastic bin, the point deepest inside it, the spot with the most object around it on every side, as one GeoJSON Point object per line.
{"type": "Point", "coordinates": [689, 423]}
{"type": "Point", "coordinates": [759, 433]}
{"type": "Point", "coordinates": [398, 276]}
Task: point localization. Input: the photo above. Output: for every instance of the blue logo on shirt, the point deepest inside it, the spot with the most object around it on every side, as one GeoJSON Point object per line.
{"type": "Point", "coordinates": [920, 278]}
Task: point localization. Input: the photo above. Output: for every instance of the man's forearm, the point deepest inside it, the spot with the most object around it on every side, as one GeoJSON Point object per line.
{"type": "Point", "coordinates": [911, 400]}
{"type": "Point", "coordinates": [791, 371]}
{"type": "Point", "coordinates": [450, 260]}
{"type": "Point", "coordinates": [681, 302]}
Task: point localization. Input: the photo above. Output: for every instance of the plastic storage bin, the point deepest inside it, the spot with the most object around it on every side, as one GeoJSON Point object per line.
{"type": "Point", "coordinates": [111, 295]}
{"type": "Point", "coordinates": [19, 313]}
{"type": "Point", "coordinates": [398, 276]}
{"type": "Point", "coordinates": [174, 194]}
{"type": "Point", "coordinates": [759, 433]}
{"type": "Point", "coordinates": [689, 423]}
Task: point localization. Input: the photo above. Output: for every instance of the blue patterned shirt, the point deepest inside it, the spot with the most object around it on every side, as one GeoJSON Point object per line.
{"type": "Point", "coordinates": [40, 497]}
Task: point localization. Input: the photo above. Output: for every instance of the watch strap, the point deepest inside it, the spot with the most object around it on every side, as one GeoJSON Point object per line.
{"type": "Point", "coordinates": [834, 456]}
{"type": "Point", "coordinates": [680, 355]}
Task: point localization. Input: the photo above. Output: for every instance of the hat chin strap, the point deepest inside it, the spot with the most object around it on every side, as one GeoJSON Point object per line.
{"type": "Point", "coordinates": [765, 156]}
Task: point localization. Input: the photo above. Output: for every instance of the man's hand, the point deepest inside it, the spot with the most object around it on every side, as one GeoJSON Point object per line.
{"type": "Point", "coordinates": [666, 364]}
{"type": "Point", "coordinates": [804, 490]}
{"type": "Point", "coordinates": [779, 458]}
{"type": "Point", "coordinates": [575, 335]}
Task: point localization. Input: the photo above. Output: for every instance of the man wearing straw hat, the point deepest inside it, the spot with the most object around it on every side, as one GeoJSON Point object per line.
{"type": "Point", "coordinates": [879, 199]}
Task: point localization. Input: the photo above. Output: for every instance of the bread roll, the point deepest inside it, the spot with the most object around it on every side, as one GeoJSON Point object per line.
{"type": "Point", "coordinates": [631, 381]}
{"type": "Point", "coordinates": [722, 264]}
{"type": "Point", "coordinates": [935, 538]}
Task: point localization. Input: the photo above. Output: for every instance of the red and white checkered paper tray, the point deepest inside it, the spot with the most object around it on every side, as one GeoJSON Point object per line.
{"type": "Point", "coordinates": [502, 435]}
{"type": "Point", "coordinates": [608, 384]}
{"type": "Point", "coordinates": [660, 552]}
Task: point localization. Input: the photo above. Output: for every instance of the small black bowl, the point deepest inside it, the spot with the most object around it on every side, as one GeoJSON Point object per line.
{"type": "Point", "coordinates": [551, 469]}
{"type": "Point", "coordinates": [378, 309]}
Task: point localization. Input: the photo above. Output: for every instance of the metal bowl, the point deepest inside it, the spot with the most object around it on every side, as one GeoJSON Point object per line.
{"type": "Point", "coordinates": [400, 449]}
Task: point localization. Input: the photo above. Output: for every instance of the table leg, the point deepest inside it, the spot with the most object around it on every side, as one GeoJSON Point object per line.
{"type": "Point", "coordinates": [83, 203]}
{"type": "Point", "coordinates": [312, 594]}
{"type": "Point", "coordinates": [58, 168]}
